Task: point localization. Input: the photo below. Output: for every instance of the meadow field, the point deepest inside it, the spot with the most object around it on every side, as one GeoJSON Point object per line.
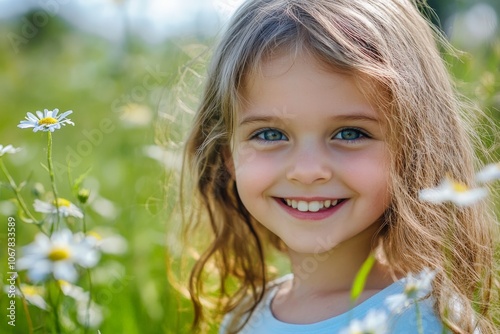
{"type": "Point", "coordinates": [120, 162]}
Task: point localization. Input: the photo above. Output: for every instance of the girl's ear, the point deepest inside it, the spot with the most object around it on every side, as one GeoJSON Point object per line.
{"type": "Point", "coordinates": [228, 161]}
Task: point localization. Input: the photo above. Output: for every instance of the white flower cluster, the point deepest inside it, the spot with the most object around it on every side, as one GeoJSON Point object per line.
{"type": "Point", "coordinates": [419, 286]}
{"type": "Point", "coordinates": [416, 288]}
{"type": "Point", "coordinates": [376, 321]}
{"type": "Point", "coordinates": [57, 254]}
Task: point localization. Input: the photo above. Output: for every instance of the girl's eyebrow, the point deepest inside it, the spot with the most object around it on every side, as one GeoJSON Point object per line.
{"type": "Point", "coordinates": [274, 119]}
{"type": "Point", "coordinates": [259, 119]}
{"type": "Point", "coordinates": [356, 117]}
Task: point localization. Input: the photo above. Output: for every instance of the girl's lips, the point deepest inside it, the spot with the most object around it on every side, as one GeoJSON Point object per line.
{"type": "Point", "coordinates": [310, 215]}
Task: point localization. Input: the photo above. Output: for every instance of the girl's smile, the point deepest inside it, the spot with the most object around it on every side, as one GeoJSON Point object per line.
{"type": "Point", "coordinates": [309, 154]}
{"type": "Point", "coordinates": [309, 209]}
{"type": "Point", "coordinates": [311, 205]}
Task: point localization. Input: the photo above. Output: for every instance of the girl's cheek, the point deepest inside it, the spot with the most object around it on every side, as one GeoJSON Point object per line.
{"type": "Point", "coordinates": [252, 163]}
{"type": "Point", "coordinates": [245, 153]}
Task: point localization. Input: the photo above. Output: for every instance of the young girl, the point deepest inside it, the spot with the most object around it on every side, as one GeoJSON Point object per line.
{"type": "Point", "coordinates": [320, 123]}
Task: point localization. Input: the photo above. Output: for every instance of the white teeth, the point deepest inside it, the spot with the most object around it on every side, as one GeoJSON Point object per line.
{"type": "Point", "coordinates": [302, 206]}
{"type": "Point", "coordinates": [313, 206]}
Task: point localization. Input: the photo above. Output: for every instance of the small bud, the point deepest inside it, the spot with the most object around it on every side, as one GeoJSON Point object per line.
{"type": "Point", "coordinates": [38, 190]}
{"type": "Point", "coordinates": [83, 195]}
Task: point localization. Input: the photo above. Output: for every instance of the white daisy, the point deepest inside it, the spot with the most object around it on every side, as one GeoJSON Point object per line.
{"type": "Point", "coordinates": [106, 242]}
{"type": "Point", "coordinates": [56, 255]}
{"type": "Point", "coordinates": [88, 314]}
{"type": "Point", "coordinates": [416, 287]}
{"type": "Point", "coordinates": [73, 291]}
{"type": "Point", "coordinates": [8, 149]}
{"type": "Point", "coordinates": [375, 322]}
{"type": "Point", "coordinates": [171, 158]}
{"type": "Point", "coordinates": [66, 209]}
{"type": "Point", "coordinates": [136, 115]}
{"type": "Point", "coordinates": [489, 173]}
{"type": "Point", "coordinates": [453, 191]}
{"type": "Point", "coordinates": [32, 293]}
{"type": "Point", "coordinates": [46, 121]}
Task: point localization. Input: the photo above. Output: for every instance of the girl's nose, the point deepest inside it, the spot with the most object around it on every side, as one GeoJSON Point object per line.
{"type": "Point", "coordinates": [309, 166]}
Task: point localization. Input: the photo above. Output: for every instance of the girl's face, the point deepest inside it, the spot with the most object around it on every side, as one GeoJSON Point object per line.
{"type": "Point", "coordinates": [309, 155]}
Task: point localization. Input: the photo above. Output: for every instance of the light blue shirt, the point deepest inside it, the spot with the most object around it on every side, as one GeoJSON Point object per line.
{"type": "Point", "coordinates": [264, 322]}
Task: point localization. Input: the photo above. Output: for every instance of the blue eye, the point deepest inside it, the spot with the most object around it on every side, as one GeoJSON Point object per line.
{"type": "Point", "coordinates": [349, 134]}
{"type": "Point", "coordinates": [270, 135]}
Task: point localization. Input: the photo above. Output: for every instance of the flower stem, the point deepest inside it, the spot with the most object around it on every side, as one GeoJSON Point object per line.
{"type": "Point", "coordinates": [420, 325]}
{"type": "Point", "coordinates": [54, 305]}
{"type": "Point", "coordinates": [87, 320]}
{"type": "Point", "coordinates": [17, 193]}
{"type": "Point", "coordinates": [25, 307]}
{"type": "Point", "coordinates": [84, 223]}
{"type": "Point", "coordinates": [52, 180]}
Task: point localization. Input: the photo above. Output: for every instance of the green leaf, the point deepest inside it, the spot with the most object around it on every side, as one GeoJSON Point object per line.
{"type": "Point", "coordinates": [361, 276]}
{"type": "Point", "coordinates": [22, 185]}
{"type": "Point", "coordinates": [45, 167]}
{"type": "Point", "coordinates": [24, 218]}
{"type": "Point", "coordinates": [79, 180]}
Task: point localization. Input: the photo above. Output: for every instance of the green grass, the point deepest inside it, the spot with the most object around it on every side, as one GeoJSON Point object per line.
{"type": "Point", "coordinates": [65, 69]}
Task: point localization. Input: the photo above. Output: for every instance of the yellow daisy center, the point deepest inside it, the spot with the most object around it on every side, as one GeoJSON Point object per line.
{"type": "Point", "coordinates": [29, 290]}
{"type": "Point", "coordinates": [411, 291]}
{"type": "Point", "coordinates": [47, 121]}
{"type": "Point", "coordinates": [94, 234]}
{"type": "Point", "coordinates": [459, 187]}
{"type": "Point", "coordinates": [62, 202]}
{"type": "Point", "coordinates": [63, 283]}
{"type": "Point", "coordinates": [58, 254]}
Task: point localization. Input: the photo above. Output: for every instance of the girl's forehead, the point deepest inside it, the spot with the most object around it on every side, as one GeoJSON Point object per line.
{"type": "Point", "coordinates": [281, 63]}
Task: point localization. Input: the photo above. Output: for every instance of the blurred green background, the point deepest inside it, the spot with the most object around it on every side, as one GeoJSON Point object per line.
{"type": "Point", "coordinates": [123, 73]}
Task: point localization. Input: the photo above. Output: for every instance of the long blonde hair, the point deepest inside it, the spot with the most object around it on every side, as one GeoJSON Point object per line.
{"type": "Point", "coordinates": [428, 135]}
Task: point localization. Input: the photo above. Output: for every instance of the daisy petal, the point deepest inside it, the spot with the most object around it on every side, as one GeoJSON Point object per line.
{"type": "Point", "coordinates": [489, 173]}
{"type": "Point", "coordinates": [65, 114]}
{"type": "Point", "coordinates": [65, 271]}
